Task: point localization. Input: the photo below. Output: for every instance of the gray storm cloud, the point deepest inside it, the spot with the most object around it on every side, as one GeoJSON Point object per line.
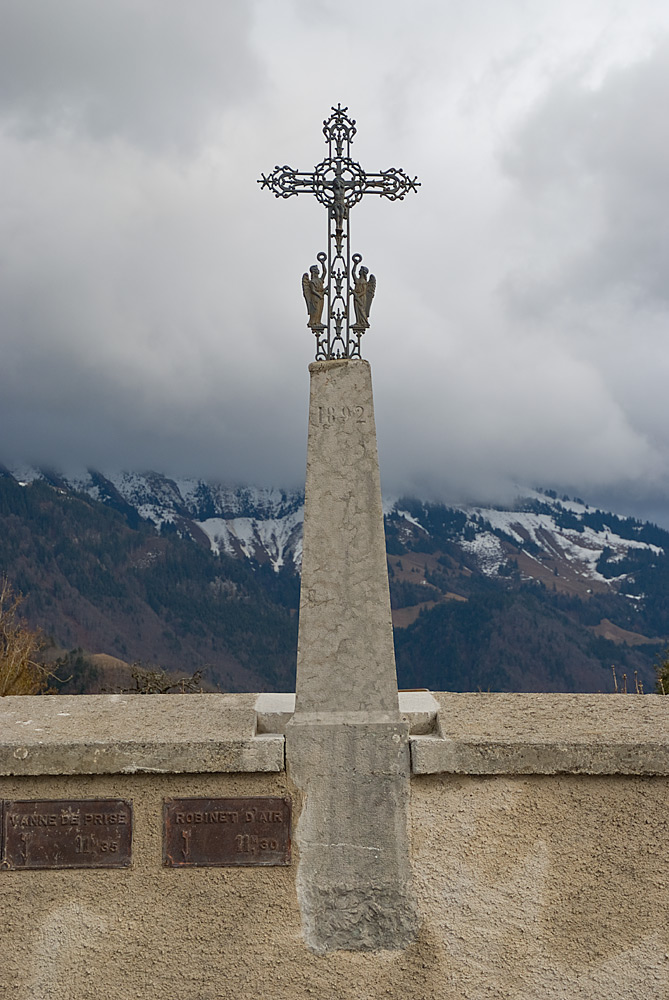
{"type": "Point", "coordinates": [147, 71]}
{"type": "Point", "coordinates": [150, 304]}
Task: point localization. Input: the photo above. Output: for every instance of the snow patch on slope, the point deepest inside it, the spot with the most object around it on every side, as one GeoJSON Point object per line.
{"type": "Point", "coordinates": [582, 548]}
{"type": "Point", "coordinates": [412, 520]}
{"type": "Point", "coordinates": [487, 550]}
{"type": "Point", "coordinates": [279, 537]}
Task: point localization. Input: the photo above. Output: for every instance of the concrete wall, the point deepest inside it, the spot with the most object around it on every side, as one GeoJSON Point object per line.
{"type": "Point", "coordinates": [539, 831]}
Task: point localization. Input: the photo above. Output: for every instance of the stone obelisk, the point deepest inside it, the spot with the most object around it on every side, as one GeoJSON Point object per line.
{"type": "Point", "coordinates": [345, 658]}
{"type": "Point", "coordinates": [347, 749]}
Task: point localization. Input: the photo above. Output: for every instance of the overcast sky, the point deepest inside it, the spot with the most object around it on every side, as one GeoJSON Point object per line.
{"type": "Point", "coordinates": [151, 313]}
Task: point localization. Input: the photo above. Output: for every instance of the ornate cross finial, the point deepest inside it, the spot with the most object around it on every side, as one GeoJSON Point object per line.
{"type": "Point", "coordinates": [338, 182]}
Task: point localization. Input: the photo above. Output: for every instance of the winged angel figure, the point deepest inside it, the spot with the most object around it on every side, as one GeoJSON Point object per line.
{"type": "Point", "coordinates": [314, 295]}
{"type": "Point", "coordinates": [363, 293]}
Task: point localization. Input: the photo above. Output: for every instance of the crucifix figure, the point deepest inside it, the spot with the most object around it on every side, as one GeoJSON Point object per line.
{"type": "Point", "coordinates": [338, 182]}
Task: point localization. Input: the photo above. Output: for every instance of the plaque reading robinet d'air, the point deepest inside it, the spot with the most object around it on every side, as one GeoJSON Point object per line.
{"type": "Point", "coordinates": [240, 831]}
{"type": "Point", "coordinates": [67, 833]}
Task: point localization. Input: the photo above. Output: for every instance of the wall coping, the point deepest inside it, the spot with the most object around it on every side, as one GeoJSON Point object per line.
{"type": "Point", "coordinates": [482, 733]}
{"type": "Point", "coordinates": [474, 733]}
{"type": "Point", "coordinates": [129, 734]}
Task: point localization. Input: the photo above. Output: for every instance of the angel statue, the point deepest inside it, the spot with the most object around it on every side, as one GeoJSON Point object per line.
{"type": "Point", "coordinates": [363, 293]}
{"type": "Point", "coordinates": [314, 295]}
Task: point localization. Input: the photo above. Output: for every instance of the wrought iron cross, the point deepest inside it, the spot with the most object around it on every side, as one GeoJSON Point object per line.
{"type": "Point", "coordinates": [339, 183]}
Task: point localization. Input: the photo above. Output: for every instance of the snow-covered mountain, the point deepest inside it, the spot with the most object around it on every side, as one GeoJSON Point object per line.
{"type": "Point", "coordinates": [561, 542]}
{"type": "Point", "coordinates": [258, 523]}
{"type": "Point", "coordinates": [553, 533]}
{"type": "Point", "coordinates": [544, 594]}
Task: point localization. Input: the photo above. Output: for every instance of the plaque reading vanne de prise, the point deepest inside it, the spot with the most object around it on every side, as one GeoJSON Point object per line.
{"type": "Point", "coordinates": [67, 833]}
{"type": "Point", "coordinates": [248, 831]}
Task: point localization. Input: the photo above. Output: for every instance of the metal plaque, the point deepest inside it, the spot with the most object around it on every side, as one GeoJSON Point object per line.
{"type": "Point", "coordinates": [248, 831]}
{"type": "Point", "coordinates": [67, 833]}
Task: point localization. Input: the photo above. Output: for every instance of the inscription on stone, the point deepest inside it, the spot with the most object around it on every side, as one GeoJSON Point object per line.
{"type": "Point", "coordinates": [67, 833]}
{"type": "Point", "coordinates": [248, 831]}
{"type": "Point", "coordinates": [327, 416]}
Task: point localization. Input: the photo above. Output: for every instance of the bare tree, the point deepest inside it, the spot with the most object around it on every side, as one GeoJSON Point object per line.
{"type": "Point", "coordinates": [20, 673]}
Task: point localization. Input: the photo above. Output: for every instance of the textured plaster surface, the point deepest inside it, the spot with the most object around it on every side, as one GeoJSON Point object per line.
{"type": "Point", "coordinates": [551, 887]}
{"type": "Point", "coordinates": [546, 734]}
{"type": "Point", "coordinates": [544, 887]}
{"type": "Point", "coordinates": [110, 734]}
{"type": "Point", "coordinates": [345, 659]}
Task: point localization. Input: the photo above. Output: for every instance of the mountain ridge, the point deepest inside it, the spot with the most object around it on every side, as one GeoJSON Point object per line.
{"type": "Point", "coordinates": [591, 579]}
{"type": "Point", "coordinates": [262, 523]}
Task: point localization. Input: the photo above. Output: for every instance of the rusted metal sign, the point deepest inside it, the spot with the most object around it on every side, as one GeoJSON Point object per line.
{"type": "Point", "coordinates": [67, 833]}
{"type": "Point", "coordinates": [248, 831]}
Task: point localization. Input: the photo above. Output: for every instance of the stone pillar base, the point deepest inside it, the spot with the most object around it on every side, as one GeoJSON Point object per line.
{"type": "Point", "coordinates": [354, 876]}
